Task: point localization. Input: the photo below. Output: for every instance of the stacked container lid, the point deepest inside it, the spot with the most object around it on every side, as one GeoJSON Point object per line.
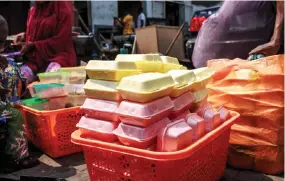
{"type": "Point", "coordinates": [101, 106]}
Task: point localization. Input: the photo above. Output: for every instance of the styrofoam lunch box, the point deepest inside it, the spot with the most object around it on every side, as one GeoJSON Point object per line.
{"type": "Point", "coordinates": [101, 109]}
{"type": "Point", "coordinates": [144, 62]}
{"type": "Point", "coordinates": [197, 124]}
{"type": "Point", "coordinates": [212, 119]}
{"type": "Point", "coordinates": [110, 70]}
{"type": "Point", "coordinates": [203, 77]}
{"type": "Point", "coordinates": [146, 87]}
{"type": "Point", "coordinates": [176, 136]}
{"type": "Point", "coordinates": [181, 104]}
{"type": "Point", "coordinates": [97, 129]}
{"type": "Point", "coordinates": [144, 114]}
{"type": "Point", "coordinates": [224, 114]}
{"type": "Point", "coordinates": [139, 137]}
{"type": "Point", "coordinates": [183, 79]}
{"type": "Point", "coordinates": [167, 59]}
{"type": "Point", "coordinates": [102, 89]}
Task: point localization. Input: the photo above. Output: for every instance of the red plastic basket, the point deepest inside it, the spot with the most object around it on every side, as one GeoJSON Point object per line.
{"type": "Point", "coordinates": [204, 160]}
{"type": "Point", "coordinates": [50, 130]}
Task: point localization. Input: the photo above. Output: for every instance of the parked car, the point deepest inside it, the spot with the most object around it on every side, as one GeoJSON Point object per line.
{"type": "Point", "coordinates": [195, 24]}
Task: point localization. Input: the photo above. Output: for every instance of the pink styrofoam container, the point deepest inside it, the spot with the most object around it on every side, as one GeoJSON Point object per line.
{"type": "Point", "coordinates": [97, 129]}
{"type": "Point", "coordinates": [139, 137]}
{"type": "Point", "coordinates": [175, 136]}
{"type": "Point", "coordinates": [197, 124]}
{"type": "Point", "coordinates": [200, 110]}
{"type": "Point", "coordinates": [144, 114]}
{"type": "Point", "coordinates": [101, 109]}
{"type": "Point", "coordinates": [212, 119]}
{"type": "Point", "coordinates": [181, 116]}
{"type": "Point", "coordinates": [182, 103]}
{"type": "Point", "coordinates": [224, 114]}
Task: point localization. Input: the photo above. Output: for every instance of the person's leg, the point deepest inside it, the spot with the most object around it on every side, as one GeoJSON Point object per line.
{"type": "Point", "coordinates": [16, 150]}
{"type": "Point", "coordinates": [17, 145]}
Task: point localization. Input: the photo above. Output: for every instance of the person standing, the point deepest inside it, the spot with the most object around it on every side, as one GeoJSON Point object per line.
{"type": "Point", "coordinates": [47, 42]}
{"type": "Point", "coordinates": [141, 22]}
{"type": "Point", "coordinates": [240, 29]}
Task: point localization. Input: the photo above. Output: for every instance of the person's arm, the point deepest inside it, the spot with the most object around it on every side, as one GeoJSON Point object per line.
{"type": "Point", "coordinates": [272, 47]}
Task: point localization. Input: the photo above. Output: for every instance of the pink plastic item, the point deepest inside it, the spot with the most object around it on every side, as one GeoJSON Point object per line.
{"type": "Point", "coordinates": [181, 116]}
{"type": "Point", "coordinates": [97, 129]}
{"type": "Point", "coordinates": [139, 137]}
{"type": "Point", "coordinates": [144, 114]}
{"type": "Point", "coordinates": [197, 124]}
{"type": "Point", "coordinates": [224, 114]}
{"type": "Point", "coordinates": [174, 137]}
{"type": "Point", "coordinates": [200, 111]}
{"type": "Point", "coordinates": [101, 109]}
{"type": "Point", "coordinates": [182, 103]}
{"type": "Point", "coordinates": [212, 119]}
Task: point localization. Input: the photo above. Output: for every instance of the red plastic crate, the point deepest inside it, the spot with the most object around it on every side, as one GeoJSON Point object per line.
{"type": "Point", "coordinates": [50, 130]}
{"type": "Point", "coordinates": [204, 160]}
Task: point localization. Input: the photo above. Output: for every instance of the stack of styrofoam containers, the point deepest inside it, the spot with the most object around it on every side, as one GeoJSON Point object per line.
{"type": "Point", "coordinates": [103, 99]}
{"type": "Point", "coordinates": [170, 63]}
{"type": "Point", "coordinates": [76, 81]}
{"type": "Point", "coordinates": [145, 108]}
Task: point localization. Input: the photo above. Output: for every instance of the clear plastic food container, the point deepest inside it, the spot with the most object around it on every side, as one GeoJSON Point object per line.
{"type": "Point", "coordinates": [143, 115]}
{"type": "Point", "coordinates": [57, 103]}
{"type": "Point", "coordinates": [197, 124]}
{"type": "Point", "coordinates": [139, 137]}
{"type": "Point", "coordinates": [144, 62]}
{"type": "Point", "coordinates": [181, 104]}
{"type": "Point", "coordinates": [212, 119]}
{"type": "Point", "coordinates": [97, 129]}
{"type": "Point", "coordinates": [50, 90]}
{"type": "Point", "coordinates": [176, 136]}
{"type": "Point", "coordinates": [76, 100]}
{"type": "Point", "coordinates": [146, 87]}
{"type": "Point", "coordinates": [75, 89]}
{"type": "Point", "coordinates": [224, 114]}
{"type": "Point", "coordinates": [31, 89]}
{"type": "Point", "coordinates": [36, 103]}
{"type": "Point", "coordinates": [77, 75]}
{"type": "Point", "coordinates": [203, 77]}
{"type": "Point", "coordinates": [167, 59]}
{"type": "Point", "coordinates": [101, 109]}
{"type": "Point", "coordinates": [110, 70]}
{"type": "Point", "coordinates": [101, 89]}
{"type": "Point", "coordinates": [54, 77]}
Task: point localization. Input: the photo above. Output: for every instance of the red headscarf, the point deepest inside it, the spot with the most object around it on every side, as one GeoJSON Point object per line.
{"type": "Point", "coordinates": [49, 28]}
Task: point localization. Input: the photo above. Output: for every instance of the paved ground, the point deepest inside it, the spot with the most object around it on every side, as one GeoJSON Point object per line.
{"type": "Point", "coordinates": [73, 168]}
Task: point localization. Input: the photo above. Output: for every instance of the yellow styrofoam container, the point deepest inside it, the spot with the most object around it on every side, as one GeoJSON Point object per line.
{"type": "Point", "coordinates": [101, 89]}
{"type": "Point", "coordinates": [138, 57]}
{"type": "Point", "coordinates": [184, 79]}
{"type": "Point", "coordinates": [200, 95]}
{"type": "Point", "coordinates": [110, 70]}
{"type": "Point", "coordinates": [166, 67]}
{"type": "Point", "coordinates": [183, 68]}
{"type": "Point", "coordinates": [144, 62]}
{"type": "Point", "coordinates": [203, 77]}
{"type": "Point", "coordinates": [167, 59]}
{"type": "Point", "coordinates": [146, 87]}
{"type": "Point", "coordinates": [109, 65]}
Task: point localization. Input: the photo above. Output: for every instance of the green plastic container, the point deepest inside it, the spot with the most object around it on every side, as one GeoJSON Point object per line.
{"type": "Point", "coordinates": [36, 103]}
{"type": "Point", "coordinates": [50, 90]}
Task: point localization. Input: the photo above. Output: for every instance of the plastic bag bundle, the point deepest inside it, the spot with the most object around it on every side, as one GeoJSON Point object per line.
{"type": "Point", "coordinates": [255, 90]}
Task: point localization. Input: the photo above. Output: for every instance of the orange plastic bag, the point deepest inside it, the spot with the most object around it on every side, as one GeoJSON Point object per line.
{"type": "Point", "coordinates": [255, 90]}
